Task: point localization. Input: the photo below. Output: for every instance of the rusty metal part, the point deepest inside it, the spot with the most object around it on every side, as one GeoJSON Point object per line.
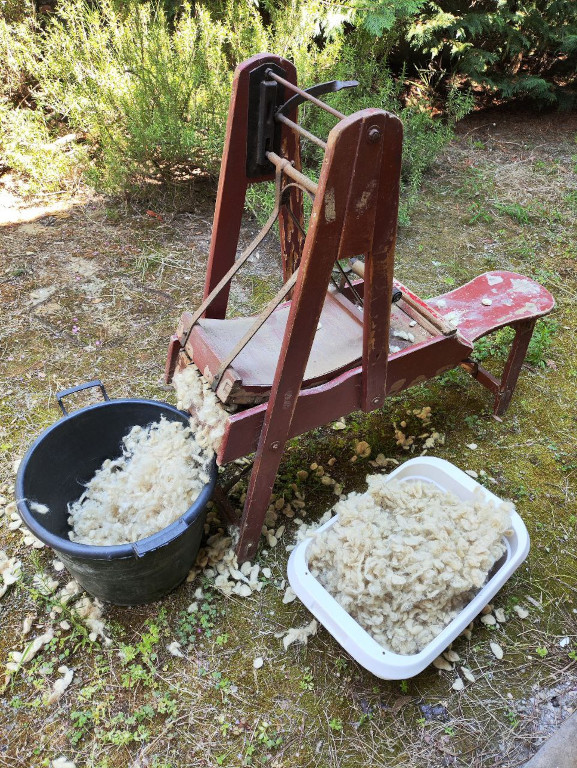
{"type": "Point", "coordinates": [302, 131]}
{"type": "Point", "coordinates": [284, 165]}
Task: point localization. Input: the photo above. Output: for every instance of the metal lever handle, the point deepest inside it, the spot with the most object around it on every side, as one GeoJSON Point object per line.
{"type": "Point", "coordinates": [65, 392]}
{"type": "Point", "coordinates": [332, 86]}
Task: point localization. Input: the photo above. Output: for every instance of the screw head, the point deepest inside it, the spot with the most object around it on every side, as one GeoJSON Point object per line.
{"type": "Point", "coordinates": [374, 134]}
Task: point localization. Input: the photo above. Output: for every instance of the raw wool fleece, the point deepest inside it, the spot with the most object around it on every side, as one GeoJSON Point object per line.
{"type": "Point", "coordinates": [208, 417]}
{"type": "Point", "coordinates": [404, 558]}
{"type": "Point", "coordinates": [161, 472]}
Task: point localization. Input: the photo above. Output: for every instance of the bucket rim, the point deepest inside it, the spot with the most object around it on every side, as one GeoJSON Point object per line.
{"type": "Point", "coordinates": [117, 551]}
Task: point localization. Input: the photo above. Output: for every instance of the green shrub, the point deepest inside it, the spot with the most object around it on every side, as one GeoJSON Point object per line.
{"type": "Point", "coordinates": [16, 10]}
{"type": "Point", "coordinates": [151, 99]}
{"type": "Point", "coordinates": [153, 95]}
{"type": "Point", "coordinates": [17, 53]}
{"type": "Point", "coordinates": [27, 146]}
{"type": "Point", "coordinates": [148, 83]}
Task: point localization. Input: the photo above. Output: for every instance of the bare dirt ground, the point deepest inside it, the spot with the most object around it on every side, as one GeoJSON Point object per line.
{"type": "Point", "coordinates": [92, 288]}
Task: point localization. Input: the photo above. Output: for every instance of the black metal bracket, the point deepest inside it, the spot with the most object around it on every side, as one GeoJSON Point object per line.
{"type": "Point", "coordinates": [263, 132]}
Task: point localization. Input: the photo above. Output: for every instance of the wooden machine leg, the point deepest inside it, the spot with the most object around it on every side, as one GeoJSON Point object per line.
{"type": "Point", "coordinates": [523, 333]}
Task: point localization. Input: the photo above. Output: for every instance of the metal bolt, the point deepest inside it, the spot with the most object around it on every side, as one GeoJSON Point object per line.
{"type": "Point", "coordinates": [374, 134]}
{"type": "Point", "coordinates": [376, 400]}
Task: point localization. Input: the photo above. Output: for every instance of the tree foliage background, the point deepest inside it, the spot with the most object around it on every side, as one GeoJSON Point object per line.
{"type": "Point", "coordinates": [144, 85]}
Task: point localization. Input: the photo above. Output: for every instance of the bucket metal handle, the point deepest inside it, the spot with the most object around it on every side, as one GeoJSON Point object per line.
{"type": "Point", "coordinates": [87, 385]}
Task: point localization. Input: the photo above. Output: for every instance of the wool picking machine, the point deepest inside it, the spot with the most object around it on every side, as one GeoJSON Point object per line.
{"type": "Point", "coordinates": [323, 348]}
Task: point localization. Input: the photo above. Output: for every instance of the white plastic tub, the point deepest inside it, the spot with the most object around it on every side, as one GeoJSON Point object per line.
{"type": "Point", "coordinates": [356, 640]}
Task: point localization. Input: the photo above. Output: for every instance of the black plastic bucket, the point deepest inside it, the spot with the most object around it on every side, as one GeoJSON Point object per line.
{"type": "Point", "coordinates": [56, 468]}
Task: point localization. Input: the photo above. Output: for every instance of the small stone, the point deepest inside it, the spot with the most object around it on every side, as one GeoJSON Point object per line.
{"type": "Point", "coordinates": [441, 663]}
{"type": "Point", "coordinates": [458, 685]}
{"type": "Point", "coordinates": [496, 650]}
{"type": "Point", "coordinates": [521, 612]}
{"type": "Point", "coordinates": [489, 620]}
{"type": "Point", "coordinates": [486, 302]}
{"type": "Point", "coordinates": [472, 446]}
{"type": "Point", "coordinates": [258, 662]}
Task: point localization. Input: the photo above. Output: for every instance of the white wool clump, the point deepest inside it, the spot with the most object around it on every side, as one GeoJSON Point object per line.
{"type": "Point", "coordinates": [404, 557]}
{"type": "Point", "coordinates": [300, 634]}
{"type": "Point", "coordinates": [161, 472]}
{"type": "Point", "coordinates": [63, 762]}
{"type": "Point", "coordinates": [60, 685]}
{"type": "Point", "coordinates": [90, 611]}
{"type": "Point", "coordinates": [44, 583]}
{"type": "Point", "coordinates": [10, 570]}
{"type": "Point", "coordinates": [40, 509]}
{"type": "Point", "coordinates": [18, 658]}
{"type": "Point", "coordinates": [208, 417]}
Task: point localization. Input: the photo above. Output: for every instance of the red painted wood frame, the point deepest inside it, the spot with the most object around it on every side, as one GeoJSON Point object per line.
{"type": "Point", "coordinates": [233, 183]}
{"type": "Point", "coordinates": [359, 177]}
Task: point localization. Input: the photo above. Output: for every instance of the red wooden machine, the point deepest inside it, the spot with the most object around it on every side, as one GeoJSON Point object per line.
{"type": "Point", "coordinates": [324, 348]}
